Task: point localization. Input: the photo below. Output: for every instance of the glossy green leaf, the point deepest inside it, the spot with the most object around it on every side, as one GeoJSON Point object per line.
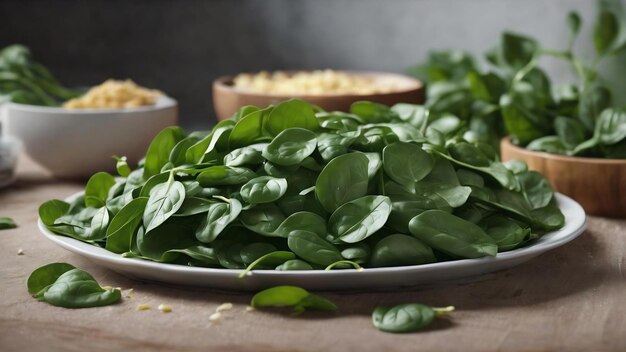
{"type": "Point", "coordinates": [358, 219]}
{"type": "Point", "coordinates": [45, 276]}
{"type": "Point", "coordinates": [159, 150]}
{"type": "Point", "coordinates": [263, 189]}
{"type": "Point", "coordinates": [224, 176]}
{"type": "Point", "coordinates": [406, 163]}
{"type": "Point", "coordinates": [97, 189]}
{"type": "Point", "coordinates": [310, 247]}
{"type": "Point", "coordinates": [343, 179]}
{"type": "Point", "coordinates": [165, 200]}
{"type": "Point", "coordinates": [52, 210]}
{"type": "Point", "coordinates": [290, 147]}
{"type": "Point", "coordinates": [7, 223]}
{"type": "Point", "coordinates": [397, 250]}
{"type": "Point", "coordinates": [452, 235]}
{"type": "Point", "coordinates": [124, 225]}
{"type": "Point", "coordinates": [218, 217]}
{"type": "Point", "coordinates": [406, 317]}
{"type": "Point", "coordinates": [291, 296]}
{"type": "Point", "coordinates": [289, 114]}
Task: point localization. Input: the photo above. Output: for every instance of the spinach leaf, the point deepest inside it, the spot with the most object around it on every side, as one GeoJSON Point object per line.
{"type": "Point", "coordinates": [124, 224]}
{"type": "Point", "coordinates": [343, 179]}
{"type": "Point", "coordinates": [397, 250]}
{"type": "Point", "coordinates": [331, 145]}
{"type": "Point", "coordinates": [7, 223]}
{"type": "Point", "coordinates": [358, 219]}
{"type": "Point", "coordinates": [194, 205]}
{"type": "Point", "coordinates": [291, 296]}
{"type": "Point", "coordinates": [290, 147]}
{"type": "Point", "coordinates": [289, 114]}
{"type": "Point", "coordinates": [250, 155]}
{"type": "Point", "coordinates": [159, 150]}
{"type": "Point", "coordinates": [165, 200]}
{"type": "Point", "coordinates": [536, 189]}
{"type": "Point", "coordinates": [196, 152]}
{"type": "Point", "coordinates": [42, 277]}
{"type": "Point", "coordinates": [62, 285]}
{"type": "Point", "coordinates": [218, 217]}
{"type": "Point", "coordinates": [174, 233]}
{"type": "Point", "coordinates": [263, 189]}
{"type": "Point", "coordinates": [97, 189]}
{"type": "Point", "coordinates": [443, 183]}
{"type": "Point", "coordinates": [294, 264]}
{"type": "Point", "coordinates": [224, 176]}
{"type": "Point", "coordinates": [52, 210]}
{"type": "Point", "coordinates": [406, 163]}
{"type": "Point", "coordinates": [406, 317]}
{"type": "Point", "coordinates": [507, 233]}
{"type": "Point", "coordinates": [200, 254]}
{"type": "Point", "coordinates": [310, 247]}
{"type": "Point", "coordinates": [121, 166]}
{"type": "Point", "coordinates": [251, 129]}
{"type": "Point", "coordinates": [452, 235]}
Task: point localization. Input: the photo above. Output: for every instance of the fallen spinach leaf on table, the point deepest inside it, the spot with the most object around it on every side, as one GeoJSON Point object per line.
{"type": "Point", "coordinates": [62, 285]}
{"type": "Point", "coordinates": [7, 223]}
{"type": "Point", "coordinates": [406, 317]}
{"type": "Point", "coordinates": [291, 296]}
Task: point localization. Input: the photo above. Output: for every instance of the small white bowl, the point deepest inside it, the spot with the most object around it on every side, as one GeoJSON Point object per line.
{"type": "Point", "coordinates": [10, 149]}
{"type": "Point", "coordinates": [75, 143]}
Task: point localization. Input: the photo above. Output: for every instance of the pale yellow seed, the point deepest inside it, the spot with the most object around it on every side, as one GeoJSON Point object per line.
{"type": "Point", "coordinates": [215, 317]}
{"type": "Point", "coordinates": [224, 306]}
{"type": "Point", "coordinates": [165, 308]}
{"type": "Point", "coordinates": [129, 293]}
{"type": "Point", "coordinates": [20, 252]}
{"type": "Point", "coordinates": [143, 306]}
{"type": "Point", "coordinates": [250, 309]}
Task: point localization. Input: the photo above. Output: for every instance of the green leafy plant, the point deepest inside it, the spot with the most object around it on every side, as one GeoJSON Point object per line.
{"type": "Point", "coordinates": [62, 285]}
{"type": "Point", "coordinates": [291, 296]}
{"type": "Point", "coordinates": [7, 223]}
{"type": "Point", "coordinates": [24, 81]}
{"type": "Point", "coordinates": [407, 317]}
{"type": "Point", "coordinates": [515, 97]}
{"type": "Point", "coordinates": [376, 186]}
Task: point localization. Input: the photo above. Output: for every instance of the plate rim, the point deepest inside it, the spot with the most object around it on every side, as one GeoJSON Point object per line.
{"type": "Point", "coordinates": [575, 225]}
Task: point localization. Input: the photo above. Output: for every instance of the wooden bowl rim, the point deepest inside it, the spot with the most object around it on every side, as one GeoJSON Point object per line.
{"type": "Point", "coordinates": [506, 142]}
{"type": "Point", "coordinates": [225, 83]}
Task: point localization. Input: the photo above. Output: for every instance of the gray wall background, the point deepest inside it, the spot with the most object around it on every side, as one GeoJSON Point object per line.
{"type": "Point", "coordinates": [181, 46]}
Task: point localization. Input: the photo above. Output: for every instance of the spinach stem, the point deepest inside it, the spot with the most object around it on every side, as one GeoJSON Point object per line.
{"type": "Point", "coordinates": [349, 262]}
{"type": "Point", "coordinates": [441, 311]}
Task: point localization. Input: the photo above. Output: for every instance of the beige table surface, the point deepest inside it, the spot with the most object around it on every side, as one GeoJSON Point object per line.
{"type": "Point", "coordinates": [572, 298]}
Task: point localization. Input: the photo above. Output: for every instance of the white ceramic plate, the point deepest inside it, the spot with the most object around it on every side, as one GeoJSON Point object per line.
{"type": "Point", "coordinates": [375, 278]}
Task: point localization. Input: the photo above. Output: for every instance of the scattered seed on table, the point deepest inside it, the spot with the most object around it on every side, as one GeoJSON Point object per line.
{"type": "Point", "coordinates": [143, 307]}
{"type": "Point", "coordinates": [215, 317]}
{"type": "Point", "coordinates": [165, 308]}
{"type": "Point", "coordinates": [20, 252]}
{"type": "Point", "coordinates": [223, 307]}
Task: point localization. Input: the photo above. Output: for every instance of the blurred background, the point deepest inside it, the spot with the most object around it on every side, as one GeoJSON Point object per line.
{"type": "Point", "coordinates": [181, 46]}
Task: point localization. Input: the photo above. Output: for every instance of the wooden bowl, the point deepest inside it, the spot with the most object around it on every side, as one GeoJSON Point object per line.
{"type": "Point", "coordinates": [599, 185]}
{"type": "Point", "coordinates": [227, 99]}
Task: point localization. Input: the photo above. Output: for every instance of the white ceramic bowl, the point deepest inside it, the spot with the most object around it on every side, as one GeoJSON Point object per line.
{"type": "Point", "coordinates": [77, 143]}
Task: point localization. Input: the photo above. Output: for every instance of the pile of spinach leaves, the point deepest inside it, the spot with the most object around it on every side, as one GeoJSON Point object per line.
{"type": "Point", "coordinates": [24, 81]}
{"type": "Point", "coordinates": [291, 187]}
{"type": "Point", "coordinates": [515, 97]}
